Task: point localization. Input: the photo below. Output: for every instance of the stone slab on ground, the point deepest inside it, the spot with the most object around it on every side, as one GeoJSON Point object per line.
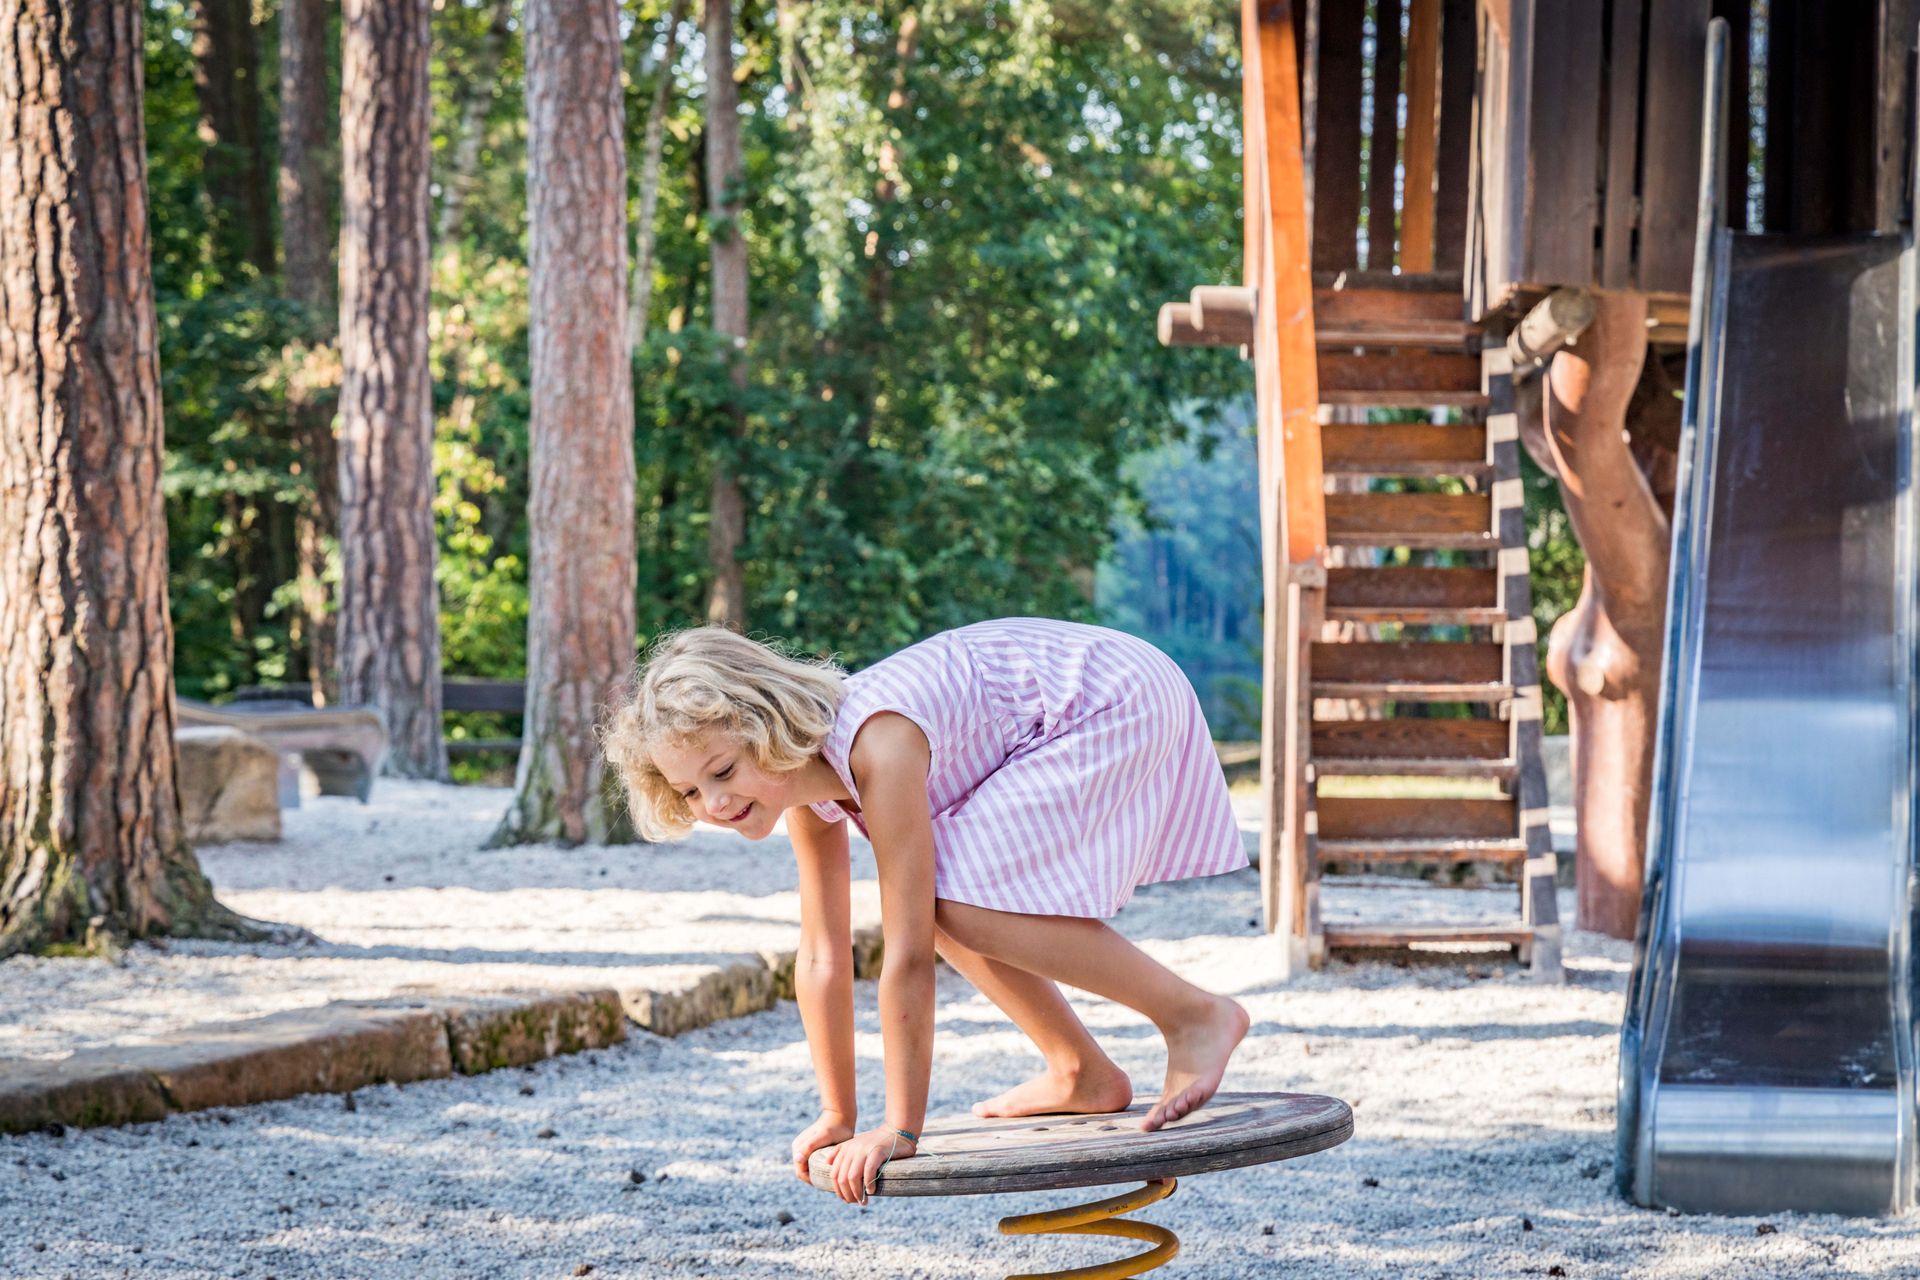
{"type": "Point", "coordinates": [333, 1048]}
{"type": "Point", "coordinates": [229, 785]}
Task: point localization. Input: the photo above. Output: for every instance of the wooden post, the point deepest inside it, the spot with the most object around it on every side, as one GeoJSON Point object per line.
{"type": "Point", "coordinates": [1423, 122]}
{"type": "Point", "coordinates": [1300, 861]}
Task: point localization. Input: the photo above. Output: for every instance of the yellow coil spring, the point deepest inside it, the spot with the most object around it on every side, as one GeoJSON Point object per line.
{"type": "Point", "coordinates": [1101, 1219]}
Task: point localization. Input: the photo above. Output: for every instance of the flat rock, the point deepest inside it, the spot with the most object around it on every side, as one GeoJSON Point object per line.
{"type": "Point", "coordinates": [229, 785]}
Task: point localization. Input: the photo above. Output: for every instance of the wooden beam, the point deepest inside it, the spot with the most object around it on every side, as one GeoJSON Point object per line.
{"type": "Point", "coordinates": [1423, 128]}
{"type": "Point", "coordinates": [1384, 161]}
{"type": "Point", "coordinates": [1453, 181]}
{"type": "Point", "coordinates": [1293, 391]}
{"type": "Point", "coordinates": [1225, 312]}
{"type": "Point", "coordinates": [1555, 321]}
{"type": "Point", "coordinates": [1335, 111]}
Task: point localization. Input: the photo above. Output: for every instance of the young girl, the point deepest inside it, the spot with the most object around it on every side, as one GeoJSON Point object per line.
{"type": "Point", "coordinates": [1018, 780]}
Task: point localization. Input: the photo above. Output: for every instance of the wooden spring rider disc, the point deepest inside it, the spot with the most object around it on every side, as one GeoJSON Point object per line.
{"type": "Point", "coordinates": [965, 1155]}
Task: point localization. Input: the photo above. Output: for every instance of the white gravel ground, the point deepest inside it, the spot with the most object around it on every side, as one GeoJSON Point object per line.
{"type": "Point", "coordinates": [1483, 1104]}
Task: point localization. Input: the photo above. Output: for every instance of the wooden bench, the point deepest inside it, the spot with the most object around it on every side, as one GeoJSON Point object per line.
{"type": "Point", "coordinates": [457, 693]}
{"type": "Point", "coordinates": [967, 1155]}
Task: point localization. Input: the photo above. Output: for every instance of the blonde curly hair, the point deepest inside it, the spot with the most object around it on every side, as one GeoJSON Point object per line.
{"type": "Point", "coordinates": [778, 706]}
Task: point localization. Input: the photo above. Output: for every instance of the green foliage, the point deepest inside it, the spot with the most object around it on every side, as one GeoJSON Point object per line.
{"type": "Point", "coordinates": [952, 296]}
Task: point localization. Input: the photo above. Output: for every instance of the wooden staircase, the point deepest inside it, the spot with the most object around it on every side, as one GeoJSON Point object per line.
{"type": "Point", "coordinates": [1401, 698]}
{"type": "Point", "coordinates": [1433, 641]}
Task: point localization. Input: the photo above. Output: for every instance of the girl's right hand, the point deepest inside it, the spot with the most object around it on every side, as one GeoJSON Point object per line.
{"type": "Point", "coordinates": [829, 1130]}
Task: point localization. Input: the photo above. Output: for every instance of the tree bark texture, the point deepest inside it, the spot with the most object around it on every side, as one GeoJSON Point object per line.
{"type": "Point", "coordinates": [580, 620]}
{"type": "Point", "coordinates": [654, 146]}
{"type": "Point", "coordinates": [226, 78]}
{"type": "Point", "coordinates": [307, 197]}
{"type": "Point", "coordinates": [1605, 653]}
{"type": "Point", "coordinates": [389, 629]}
{"type": "Point", "coordinates": [727, 600]}
{"type": "Point", "coordinates": [89, 807]}
{"type": "Point", "coordinates": [306, 160]}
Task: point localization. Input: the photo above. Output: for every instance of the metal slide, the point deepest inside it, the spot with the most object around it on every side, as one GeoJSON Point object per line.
{"type": "Point", "coordinates": [1767, 1057]}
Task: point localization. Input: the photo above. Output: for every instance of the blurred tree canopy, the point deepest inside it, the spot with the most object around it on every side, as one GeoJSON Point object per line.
{"type": "Point", "coordinates": [958, 243]}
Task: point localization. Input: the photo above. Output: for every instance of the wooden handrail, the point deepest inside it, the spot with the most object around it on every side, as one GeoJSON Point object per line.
{"type": "Point", "coordinates": [1284, 353]}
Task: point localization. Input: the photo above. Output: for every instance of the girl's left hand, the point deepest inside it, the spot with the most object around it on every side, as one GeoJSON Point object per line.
{"type": "Point", "coordinates": [857, 1161]}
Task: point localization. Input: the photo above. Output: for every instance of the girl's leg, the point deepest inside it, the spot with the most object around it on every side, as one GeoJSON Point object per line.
{"type": "Point", "coordinates": [1201, 1029]}
{"type": "Point", "coordinates": [1079, 1078]}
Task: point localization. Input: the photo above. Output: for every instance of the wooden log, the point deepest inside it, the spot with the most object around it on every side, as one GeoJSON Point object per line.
{"type": "Point", "coordinates": [1179, 328]}
{"type": "Point", "coordinates": [1554, 322]}
{"type": "Point", "coordinates": [1410, 738]}
{"type": "Point", "coordinates": [1423, 127]}
{"type": "Point", "coordinates": [1382, 661]}
{"type": "Point", "coordinates": [1225, 313]}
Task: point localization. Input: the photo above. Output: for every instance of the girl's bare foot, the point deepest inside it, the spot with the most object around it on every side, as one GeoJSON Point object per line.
{"type": "Point", "coordinates": [1093, 1092]}
{"type": "Point", "coordinates": [1197, 1054]}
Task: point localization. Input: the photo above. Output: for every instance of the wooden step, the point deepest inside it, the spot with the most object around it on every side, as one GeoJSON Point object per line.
{"type": "Point", "coordinates": [1428, 819]}
{"type": "Point", "coordinates": [1404, 448]}
{"type": "Point", "coordinates": [1410, 378]}
{"type": "Point", "coordinates": [1439, 521]}
{"type": "Point", "coordinates": [1417, 616]}
{"type": "Point", "coordinates": [1395, 587]}
{"type": "Point", "coordinates": [1354, 937]}
{"type": "Point", "coordinates": [1375, 317]}
{"type": "Point", "coordinates": [1431, 662]}
{"type": "Point", "coordinates": [1506, 850]}
{"type": "Point", "coordinates": [1410, 691]}
{"type": "Point", "coordinates": [1504, 769]}
{"type": "Point", "coordinates": [1408, 739]}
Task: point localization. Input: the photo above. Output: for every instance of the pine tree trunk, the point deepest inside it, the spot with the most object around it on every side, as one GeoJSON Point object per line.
{"type": "Point", "coordinates": [226, 77]}
{"type": "Point", "coordinates": [580, 617]}
{"type": "Point", "coordinates": [89, 806]}
{"type": "Point", "coordinates": [727, 600]}
{"type": "Point", "coordinates": [307, 197]}
{"type": "Point", "coordinates": [389, 628]}
{"type": "Point", "coordinates": [1605, 654]}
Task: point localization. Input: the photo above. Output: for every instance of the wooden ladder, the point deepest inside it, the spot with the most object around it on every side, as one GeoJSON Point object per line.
{"type": "Point", "coordinates": [1439, 621]}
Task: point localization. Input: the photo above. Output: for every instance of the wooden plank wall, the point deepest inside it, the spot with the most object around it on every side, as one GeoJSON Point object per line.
{"type": "Point", "coordinates": [1411, 199]}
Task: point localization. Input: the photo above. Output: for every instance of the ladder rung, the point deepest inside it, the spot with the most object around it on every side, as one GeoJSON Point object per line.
{"type": "Point", "coordinates": [1420, 849]}
{"type": "Point", "coordinates": [1406, 767]}
{"type": "Point", "coordinates": [1411, 691]}
{"type": "Point", "coordinates": [1418, 615]}
{"type": "Point", "coordinates": [1416, 541]}
{"type": "Point", "coordinates": [1410, 398]}
{"type": "Point", "coordinates": [1427, 470]}
{"type": "Point", "coordinates": [1352, 937]}
{"type": "Point", "coordinates": [1368, 331]}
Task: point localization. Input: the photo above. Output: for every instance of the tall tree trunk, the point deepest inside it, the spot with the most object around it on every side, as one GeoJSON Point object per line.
{"type": "Point", "coordinates": [307, 196]}
{"type": "Point", "coordinates": [1605, 653]}
{"type": "Point", "coordinates": [89, 804]}
{"type": "Point", "coordinates": [389, 607]}
{"type": "Point", "coordinates": [226, 77]}
{"type": "Point", "coordinates": [727, 600]}
{"type": "Point", "coordinates": [580, 616]}
{"type": "Point", "coordinates": [641, 294]}
{"type": "Point", "coordinates": [476, 93]}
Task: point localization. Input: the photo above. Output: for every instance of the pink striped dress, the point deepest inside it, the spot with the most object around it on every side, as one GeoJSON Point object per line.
{"type": "Point", "coordinates": [1071, 764]}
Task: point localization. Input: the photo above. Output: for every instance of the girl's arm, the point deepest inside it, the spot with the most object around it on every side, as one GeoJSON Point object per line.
{"type": "Point", "coordinates": [889, 760]}
{"type": "Point", "coordinates": [823, 970]}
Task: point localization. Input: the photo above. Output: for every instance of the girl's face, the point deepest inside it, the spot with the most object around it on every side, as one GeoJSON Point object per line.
{"type": "Point", "coordinates": [723, 784]}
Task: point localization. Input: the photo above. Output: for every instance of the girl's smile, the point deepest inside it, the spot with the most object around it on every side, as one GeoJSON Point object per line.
{"type": "Point", "coordinates": [724, 785]}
